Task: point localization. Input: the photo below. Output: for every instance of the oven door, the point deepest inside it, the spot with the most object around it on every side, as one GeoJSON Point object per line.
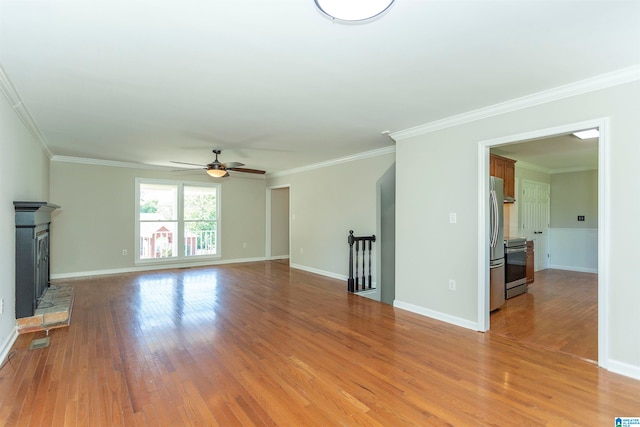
{"type": "Point", "coordinates": [516, 266]}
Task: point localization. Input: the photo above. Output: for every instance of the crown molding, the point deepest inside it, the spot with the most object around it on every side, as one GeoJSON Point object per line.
{"type": "Point", "coordinates": [22, 111]}
{"type": "Point", "coordinates": [537, 168]}
{"type": "Point", "coordinates": [614, 78]}
{"type": "Point", "coordinates": [112, 163]}
{"type": "Point", "coordinates": [131, 165]}
{"type": "Point", "coordinates": [532, 167]}
{"type": "Point", "coordinates": [359, 156]}
{"type": "Point", "coordinates": [572, 170]}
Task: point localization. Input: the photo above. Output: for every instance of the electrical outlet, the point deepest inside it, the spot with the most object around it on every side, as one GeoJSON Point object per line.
{"type": "Point", "coordinates": [244, 245]}
{"type": "Point", "coordinates": [124, 252]}
{"type": "Point", "coordinates": [452, 285]}
{"type": "Point", "coordinates": [301, 250]}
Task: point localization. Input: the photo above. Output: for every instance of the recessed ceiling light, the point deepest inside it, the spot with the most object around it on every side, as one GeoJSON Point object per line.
{"type": "Point", "coordinates": [353, 10]}
{"type": "Point", "coordinates": [587, 134]}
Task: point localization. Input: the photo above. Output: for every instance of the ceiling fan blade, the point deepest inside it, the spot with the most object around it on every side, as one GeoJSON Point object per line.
{"type": "Point", "coordinates": [188, 170]}
{"type": "Point", "coordinates": [184, 163]}
{"type": "Point", "coordinates": [245, 170]}
{"type": "Point", "coordinates": [232, 165]}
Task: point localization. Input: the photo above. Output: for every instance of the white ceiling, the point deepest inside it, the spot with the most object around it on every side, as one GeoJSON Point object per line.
{"type": "Point", "coordinates": [563, 153]}
{"type": "Point", "coordinates": [275, 84]}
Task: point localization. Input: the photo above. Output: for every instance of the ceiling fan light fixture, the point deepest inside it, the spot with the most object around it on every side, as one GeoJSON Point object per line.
{"type": "Point", "coordinates": [217, 173]}
{"type": "Point", "coordinates": [353, 10]}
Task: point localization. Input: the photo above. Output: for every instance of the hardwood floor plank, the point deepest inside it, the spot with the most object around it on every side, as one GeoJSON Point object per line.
{"type": "Point", "coordinates": [559, 312]}
{"type": "Point", "coordinates": [261, 344]}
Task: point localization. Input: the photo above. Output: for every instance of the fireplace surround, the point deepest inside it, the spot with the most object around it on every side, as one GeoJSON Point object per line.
{"type": "Point", "coordinates": [33, 221]}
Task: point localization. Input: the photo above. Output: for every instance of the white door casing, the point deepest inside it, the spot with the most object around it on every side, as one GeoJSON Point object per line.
{"type": "Point", "coordinates": [604, 224]}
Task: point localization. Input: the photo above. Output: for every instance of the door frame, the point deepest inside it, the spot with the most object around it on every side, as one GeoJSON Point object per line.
{"type": "Point", "coordinates": [267, 239]}
{"type": "Point", "coordinates": [604, 206]}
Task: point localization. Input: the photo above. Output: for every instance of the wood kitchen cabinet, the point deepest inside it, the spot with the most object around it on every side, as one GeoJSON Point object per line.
{"type": "Point", "coordinates": [504, 168]}
{"type": "Point", "coordinates": [530, 263]}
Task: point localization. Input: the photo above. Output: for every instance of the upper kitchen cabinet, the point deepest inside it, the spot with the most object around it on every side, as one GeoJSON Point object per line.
{"type": "Point", "coordinates": [506, 169]}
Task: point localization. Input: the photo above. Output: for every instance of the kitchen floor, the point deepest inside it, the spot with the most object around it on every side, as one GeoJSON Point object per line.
{"type": "Point", "coordinates": [559, 312]}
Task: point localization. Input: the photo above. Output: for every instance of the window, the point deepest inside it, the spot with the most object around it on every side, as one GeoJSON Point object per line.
{"type": "Point", "coordinates": [176, 220]}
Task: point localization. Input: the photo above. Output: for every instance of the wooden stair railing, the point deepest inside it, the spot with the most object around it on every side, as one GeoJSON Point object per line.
{"type": "Point", "coordinates": [360, 283]}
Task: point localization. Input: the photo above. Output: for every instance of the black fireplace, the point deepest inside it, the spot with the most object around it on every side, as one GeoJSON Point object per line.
{"type": "Point", "coordinates": [32, 254]}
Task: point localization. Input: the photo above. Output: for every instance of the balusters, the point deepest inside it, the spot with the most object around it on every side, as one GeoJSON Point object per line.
{"type": "Point", "coordinates": [355, 280]}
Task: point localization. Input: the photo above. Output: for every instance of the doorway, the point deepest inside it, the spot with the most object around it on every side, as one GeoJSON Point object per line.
{"type": "Point", "coordinates": [278, 234]}
{"type": "Point", "coordinates": [602, 228]}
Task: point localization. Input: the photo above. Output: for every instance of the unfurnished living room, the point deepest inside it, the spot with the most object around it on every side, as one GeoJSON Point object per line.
{"type": "Point", "coordinates": [286, 213]}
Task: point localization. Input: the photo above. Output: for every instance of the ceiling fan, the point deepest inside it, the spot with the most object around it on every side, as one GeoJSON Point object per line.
{"type": "Point", "coordinates": [220, 170]}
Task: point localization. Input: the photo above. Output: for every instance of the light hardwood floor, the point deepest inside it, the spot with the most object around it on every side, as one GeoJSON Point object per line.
{"type": "Point", "coordinates": [260, 344]}
{"type": "Point", "coordinates": [559, 312]}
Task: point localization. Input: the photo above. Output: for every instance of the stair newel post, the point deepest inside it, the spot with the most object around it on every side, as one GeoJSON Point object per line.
{"type": "Point", "coordinates": [350, 281]}
{"type": "Point", "coordinates": [373, 239]}
{"type": "Point", "coordinates": [357, 261]}
{"type": "Point", "coordinates": [364, 255]}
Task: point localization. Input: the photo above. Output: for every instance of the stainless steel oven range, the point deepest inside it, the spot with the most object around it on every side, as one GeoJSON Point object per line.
{"type": "Point", "coordinates": [515, 254]}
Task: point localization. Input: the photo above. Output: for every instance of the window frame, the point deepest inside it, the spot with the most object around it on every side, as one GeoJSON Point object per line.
{"type": "Point", "coordinates": [180, 257]}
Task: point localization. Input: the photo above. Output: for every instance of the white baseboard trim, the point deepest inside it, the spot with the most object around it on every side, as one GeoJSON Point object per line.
{"type": "Point", "coordinates": [320, 272]}
{"type": "Point", "coordinates": [279, 257]}
{"type": "Point", "coordinates": [464, 323]}
{"type": "Point", "coordinates": [622, 368]}
{"type": "Point", "coordinates": [577, 269]}
{"type": "Point", "coordinates": [151, 267]}
{"type": "Point", "coordinates": [7, 344]}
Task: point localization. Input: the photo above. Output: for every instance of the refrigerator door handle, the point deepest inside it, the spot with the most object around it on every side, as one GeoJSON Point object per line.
{"type": "Point", "coordinates": [494, 218]}
{"type": "Point", "coordinates": [492, 222]}
{"type": "Point", "coordinates": [497, 265]}
{"type": "Point", "coordinates": [497, 213]}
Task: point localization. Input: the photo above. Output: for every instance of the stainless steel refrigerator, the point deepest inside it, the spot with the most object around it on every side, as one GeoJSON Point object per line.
{"type": "Point", "coordinates": [496, 243]}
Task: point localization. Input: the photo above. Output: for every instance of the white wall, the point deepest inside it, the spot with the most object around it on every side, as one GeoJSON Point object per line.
{"type": "Point", "coordinates": [325, 204]}
{"type": "Point", "coordinates": [574, 249]}
{"type": "Point", "coordinates": [97, 218]}
{"type": "Point", "coordinates": [573, 194]}
{"type": "Point", "coordinates": [24, 175]}
{"type": "Point", "coordinates": [437, 173]}
{"type": "Point", "coordinates": [573, 244]}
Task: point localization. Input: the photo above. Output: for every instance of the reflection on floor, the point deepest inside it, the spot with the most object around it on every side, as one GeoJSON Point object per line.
{"type": "Point", "coordinates": [262, 344]}
{"type": "Point", "coordinates": [560, 313]}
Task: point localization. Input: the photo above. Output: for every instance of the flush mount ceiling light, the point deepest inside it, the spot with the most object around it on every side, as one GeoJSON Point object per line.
{"type": "Point", "coordinates": [587, 134]}
{"type": "Point", "coordinates": [353, 10]}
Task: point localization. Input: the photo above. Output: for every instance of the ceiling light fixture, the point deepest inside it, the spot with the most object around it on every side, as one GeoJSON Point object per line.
{"type": "Point", "coordinates": [217, 173]}
{"type": "Point", "coordinates": [353, 10]}
{"type": "Point", "coordinates": [587, 134]}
